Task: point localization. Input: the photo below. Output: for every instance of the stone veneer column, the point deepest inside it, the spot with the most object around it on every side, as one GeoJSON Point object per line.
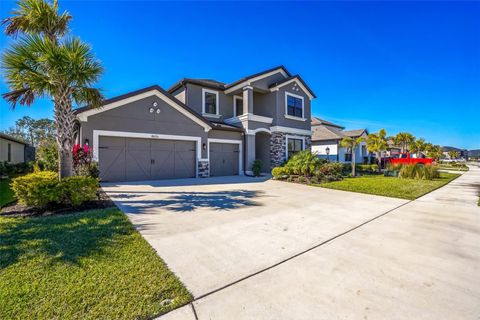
{"type": "Point", "coordinates": [203, 169]}
{"type": "Point", "coordinates": [277, 149]}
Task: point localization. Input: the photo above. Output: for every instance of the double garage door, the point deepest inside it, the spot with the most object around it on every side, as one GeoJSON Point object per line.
{"type": "Point", "coordinates": [137, 159]}
{"type": "Point", "coordinates": [130, 159]}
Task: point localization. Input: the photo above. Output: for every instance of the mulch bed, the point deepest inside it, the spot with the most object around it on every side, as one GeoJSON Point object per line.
{"type": "Point", "coordinates": [17, 210]}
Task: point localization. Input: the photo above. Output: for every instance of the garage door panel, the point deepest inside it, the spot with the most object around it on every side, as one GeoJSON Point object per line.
{"type": "Point", "coordinates": [127, 159]}
{"type": "Point", "coordinates": [112, 154]}
{"type": "Point", "coordinates": [224, 159]}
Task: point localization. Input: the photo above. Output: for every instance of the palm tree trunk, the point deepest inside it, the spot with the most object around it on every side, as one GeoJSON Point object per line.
{"type": "Point", "coordinates": [64, 121]}
{"type": "Point", "coordinates": [353, 162]}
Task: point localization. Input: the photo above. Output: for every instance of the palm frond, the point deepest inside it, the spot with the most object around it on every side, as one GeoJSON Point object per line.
{"type": "Point", "coordinates": [89, 96]}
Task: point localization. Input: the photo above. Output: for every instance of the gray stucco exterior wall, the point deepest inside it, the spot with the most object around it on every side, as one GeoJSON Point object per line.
{"type": "Point", "coordinates": [135, 117]}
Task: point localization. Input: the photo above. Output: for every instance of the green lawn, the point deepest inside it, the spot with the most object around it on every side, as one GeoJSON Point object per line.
{"type": "Point", "coordinates": [390, 186]}
{"type": "Point", "coordinates": [452, 168]}
{"type": "Point", "coordinates": [90, 265]}
{"type": "Point", "coordinates": [6, 194]}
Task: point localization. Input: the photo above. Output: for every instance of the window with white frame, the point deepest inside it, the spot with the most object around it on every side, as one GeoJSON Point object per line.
{"type": "Point", "coordinates": [210, 102]}
{"type": "Point", "coordinates": [294, 105]}
{"type": "Point", "coordinates": [237, 106]}
{"type": "Point", "coordinates": [294, 145]}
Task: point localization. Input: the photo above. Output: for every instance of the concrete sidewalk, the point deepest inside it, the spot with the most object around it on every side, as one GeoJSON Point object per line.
{"type": "Point", "coordinates": [420, 261]}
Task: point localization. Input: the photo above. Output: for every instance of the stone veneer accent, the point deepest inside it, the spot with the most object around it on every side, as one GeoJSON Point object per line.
{"type": "Point", "coordinates": [278, 147]}
{"type": "Point", "coordinates": [203, 169]}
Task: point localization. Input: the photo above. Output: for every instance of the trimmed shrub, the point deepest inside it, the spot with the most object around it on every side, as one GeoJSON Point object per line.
{"type": "Point", "coordinates": [301, 179]}
{"type": "Point", "coordinates": [41, 189]}
{"type": "Point", "coordinates": [37, 189]}
{"type": "Point", "coordinates": [375, 167]}
{"type": "Point", "coordinates": [77, 190]}
{"type": "Point", "coordinates": [280, 173]}
{"type": "Point", "coordinates": [331, 171]}
{"type": "Point", "coordinates": [257, 168]}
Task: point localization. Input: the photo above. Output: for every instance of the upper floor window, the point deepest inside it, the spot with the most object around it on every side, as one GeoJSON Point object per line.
{"type": "Point", "coordinates": [210, 102]}
{"type": "Point", "coordinates": [237, 106]}
{"type": "Point", "coordinates": [294, 105]}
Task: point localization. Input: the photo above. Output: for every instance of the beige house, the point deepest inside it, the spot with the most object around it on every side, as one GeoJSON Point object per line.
{"type": "Point", "coordinates": [12, 150]}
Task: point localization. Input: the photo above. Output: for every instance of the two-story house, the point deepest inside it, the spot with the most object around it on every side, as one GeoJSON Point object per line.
{"type": "Point", "coordinates": [199, 127]}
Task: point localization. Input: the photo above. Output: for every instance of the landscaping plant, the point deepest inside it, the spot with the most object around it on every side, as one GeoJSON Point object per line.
{"type": "Point", "coordinates": [42, 189]}
{"type": "Point", "coordinates": [44, 62]}
{"type": "Point", "coordinates": [303, 163]}
{"type": "Point", "coordinates": [352, 144]}
{"type": "Point", "coordinates": [257, 167]}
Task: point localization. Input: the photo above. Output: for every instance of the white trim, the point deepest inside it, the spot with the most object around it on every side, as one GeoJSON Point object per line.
{"type": "Point", "coordinates": [255, 131]}
{"type": "Point", "coordinates": [296, 138]}
{"type": "Point", "coordinates": [249, 81]}
{"type": "Point", "coordinates": [84, 115]}
{"type": "Point", "coordinates": [299, 83]}
{"type": "Point", "coordinates": [240, 151]}
{"type": "Point", "coordinates": [98, 133]}
{"type": "Point", "coordinates": [291, 130]}
{"type": "Point", "coordinates": [249, 117]}
{"type": "Point", "coordinates": [295, 118]}
{"type": "Point", "coordinates": [235, 98]}
{"type": "Point", "coordinates": [249, 87]}
{"type": "Point", "coordinates": [286, 106]}
{"type": "Point", "coordinates": [211, 115]}
{"type": "Point", "coordinates": [217, 102]}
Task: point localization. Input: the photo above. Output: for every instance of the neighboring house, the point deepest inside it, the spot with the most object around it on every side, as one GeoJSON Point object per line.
{"type": "Point", "coordinates": [13, 150]}
{"type": "Point", "coordinates": [462, 152]}
{"type": "Point", "coordinates": [393, 149]}
{"type": "Point", "coordinates": [199, 127]}
{"type": "Point", "coordinates": [327, 136]}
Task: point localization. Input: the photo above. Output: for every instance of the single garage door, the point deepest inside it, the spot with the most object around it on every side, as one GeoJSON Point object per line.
{"type": "Point", "coordinates": [224, 159]}
{"type": "Point", "coordinates": [130, 159]}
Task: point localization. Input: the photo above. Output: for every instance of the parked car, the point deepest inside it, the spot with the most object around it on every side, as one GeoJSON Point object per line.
{"type": "Point", "coordinates": [407, 158]}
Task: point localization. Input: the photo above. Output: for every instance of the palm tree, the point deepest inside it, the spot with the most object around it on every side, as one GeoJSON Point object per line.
{"type": "Point", "coordinates": [376, 143]}
{"type": "Point", "coordinates": [418, 146]}
{"type": "Point", "coordinates": [352, 144]}
{"type": "Point", "coordinates": [453, 154]}
{"type": "Point", "coordinates": [404, 139]}
{"type": "Point", "coordinates": [43, 63]}
{"type": "Point", "coordinates": [38, 67]}
{"type": "Point", "coordinates": [37, 17]}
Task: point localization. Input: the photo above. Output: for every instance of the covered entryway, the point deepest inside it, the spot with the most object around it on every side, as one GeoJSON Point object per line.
{"type": "Point", "coordinates": [130, 159]}
{"type": "Point", "coordinates": [224, 159]}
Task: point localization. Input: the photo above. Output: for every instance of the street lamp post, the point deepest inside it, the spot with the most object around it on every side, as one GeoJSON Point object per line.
{"type": "Point", "coordinates": [327, 151]}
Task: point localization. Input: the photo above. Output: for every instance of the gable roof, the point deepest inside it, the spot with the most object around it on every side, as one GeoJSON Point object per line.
{"type": "Point", "coordinates": [355, 133]}
{"type": "Point", "coordinates": [10, 138]}
{"type": "Point", "coordinates": [295, 78]}
{"type": "Point", "coordinates": [209, 83]}
{"type": "Point", "coordinates": [280, 68]}
{"type": "Point", "coordinates": [111, 103]}
{"type": "Point", "coordinates": [325, 132]}
{"type": "Point", "coordinates": [320, 133]}
{"type": "Point", "coordinates": [316, 121]}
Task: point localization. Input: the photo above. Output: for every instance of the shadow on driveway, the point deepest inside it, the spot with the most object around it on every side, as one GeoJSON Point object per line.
{"type": "Point", "coordinates": [187, 201]}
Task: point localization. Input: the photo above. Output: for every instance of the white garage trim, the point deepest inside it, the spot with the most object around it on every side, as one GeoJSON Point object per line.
{"type": "Point", "coordinates": [240, 151]}
{"type": "Point", "coordinates": [123, 134]}
{"type": "Point", "coordinates": [84, 115]}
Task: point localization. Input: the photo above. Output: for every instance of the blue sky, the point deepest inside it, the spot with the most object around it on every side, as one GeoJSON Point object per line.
{"type": "Point", "coordinates": [403, 66]}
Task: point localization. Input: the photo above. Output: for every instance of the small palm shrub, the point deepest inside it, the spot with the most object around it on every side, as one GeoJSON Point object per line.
{"type": "Point", "coordinates": [303, 163]}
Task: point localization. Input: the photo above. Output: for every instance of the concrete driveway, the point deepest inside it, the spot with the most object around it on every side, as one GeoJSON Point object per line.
{"type": "Point", "coordinates": [253, 249]}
